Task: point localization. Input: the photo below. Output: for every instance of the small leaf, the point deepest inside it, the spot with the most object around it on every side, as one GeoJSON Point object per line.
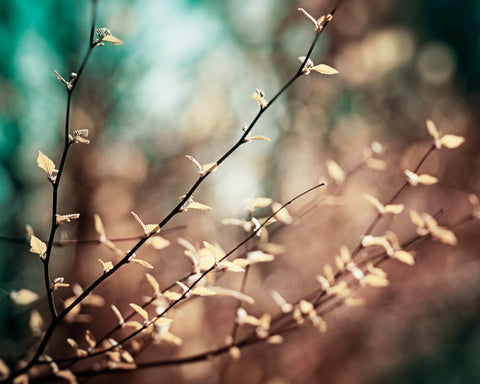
{"type": "Point", "coordinates": [258, 137]}
{"type": "Point", "coordinates": [197, 205]}
{"type": "Point", "coordinates": [99, 227]}
{"type": "Point", "coordinates": [427, 179]}
{"type": "Point", "coordinates": [335, 171]}
{"type": "Point", "coordinates": [172, 296]}
{"type": "Point", "coordinates": [281, 302]}
{"type": "Point", "coordinates": [194, 161]}
{"type": "Point", "coordinates": [452, 141]}
{"type": "Point", "coordinates": [275, 339]}
{"type": "Point", "coordinates": [45, 163]}
{"type": "Point", "coordinates": [142, 312]}
{"type": "Point", "coordinates": [404, 257]}
{"type": "Point", "coordinates": [90, 339]}
{"type": "Point", "coordinates": [324, 69]}
{"type": "Point", "coordinates": [208, 168]}
{"type": "Point", "coordinates": [376, 281]}
{"type": "Point", "coordinates": [38, 246]}
{"type": "Point", "coordinates": [432, 129]}
{"type": "Point", "coordinates": [229, 266]}
{"type": "Point", "coordinates": [143, 263]}
{"type": "Point", "coordinates": [203, 291]}
{"type": "Point", "coordinates": [259, 257]}
{"type": "Point", "coordinates": [221, 291]}
{"type": "Point", "coordinates": [153, 282]}
{"type": "Point", "coordinates": [23, 297]}
{"type": "Point", "coordinates": [121, 321]}
{"type": "Point", "coordinates": [107, 266]}
{"type": "Point", "coordinates": [60, 219]}
{"type": "Point", "coordinates": [158, 242]}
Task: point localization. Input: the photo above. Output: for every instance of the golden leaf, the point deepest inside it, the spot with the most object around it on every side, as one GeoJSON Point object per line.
{"type": "Point", "coordinates": [90, 339]}
{"type": "Point", "coordinates": [259, 257]}
{"type": "Point", "coordinates": [375, 202]}
{"type": "Point", "coordinates": [203, 291]}
{"type": "Point", "coordinates": [153, 282]}
{"type": "Point", "coordinates": [416, 219]}
{"type": "Point", "coordinates": [432, 129]}
{"type": "Point", "coordinates": [112, 39]}
{"type": "Point", "coordinates": [194, 161]}
{"type": "Point", "coordinates": [36, 322]}
{"type": "Point", "coordinates": [197, 205]}
{"type": "Point", "coordinates": [282, 213]}
{"type": "Point", "coordinates": [427, 179]}
{"type": "Point", "coordinates": [67, 375]}
{"type": "Point", "coordinates": [45, 163]}
{"type": "Point", "coordinates": [261, 138]}
{"type": "Point", "coordinates": [376, 164]}
{"type": "Point", "coordinates": [121, 321]}
{"type": "Point", "coordinates": [452, 141]}
{"type": "Point", "coordinates": [281, 302]}
{"type": "Point", "coordinates": [335, 171]}
{"type": "Point", "coordinates": [394, 209]}
{"type": "Point", "coordinates": [170, 338]}
{"type": "Point", "coordinates": [404, 257]}
{"type": "Point", "coordinates": [275, 339]}
{"type": "Point", "coordinates": [306, 307]}
{"type": "Point", "coordinates": [211, 249]}
{"type": "Point", "coordinates": [134, 324]}
{"type": "Point", "coordinates": [444, 235]}
{"type": "Point", "coordinates": [221, 291]}
{"type": "Point", "coordinates": [354, 301]}
{"type": "Point", "coordinates": [23, 297]}
{"type": "Point", "coordinates": [376, 281]}
{"type": "Point", "coordinates": [142, 312]}
{"type": "Point", "coordinates": [234, 353]}
{"type": "Point", "coordinates": [328, 273]}
{"type": "Point", "coordinates": [228, 265]}
{"type": "Point", "coordinates": [158, 242]}
{"type": "Point", "coordinates": [99, 228]}
{"type": "Point", "coordinates": [38, 246]}
{"type": "Point", "coordinates": [209, 167]}
{"type": "Point", "coordinates": [107, 266]}
{"type": "Point", "coordinates": [139, 221]}
{"type": "Point", "coordinates": [172, 296]}
{"type": "Point", "coordinates": [143, 263]}
{"type": "Point", "coordinates": [324, 69]}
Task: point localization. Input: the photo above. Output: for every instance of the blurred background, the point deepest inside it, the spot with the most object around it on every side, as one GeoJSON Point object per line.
{"type": "Point", "coordinates": [181, 84]}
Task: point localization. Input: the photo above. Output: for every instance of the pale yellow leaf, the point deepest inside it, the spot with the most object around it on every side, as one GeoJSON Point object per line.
{"type": "Point", "coordinates": [394, 209]}
{"type": "Point", "coordinates": [23, 297]}
{"type": "Point", "coordinates": [172, 339]}
{"type": "Point", "coordinates": [281, 302]}
{"type": "Point", "coordinates": [275, 339]}
{"type": "Point", "coordinates": [121, 321]}
{"type": "Point", "coordinates": [258, 137]}
{"type": "Point", "coordinates": [107, 266]}
{"type": "Point", "coordinates": [36, 322]}
{"type": "Point", "coordinates": [112, 39]}
{"type": "Point", "coordinates": [209, 167]}
{"type": "Point", "coordinates": [444, 235]}
{"type": "Point", "coordinates": [427, 179]}
{"type": "Point", "coordinates": [139, 221]}
{"type": "Point", "coordinates": [158, 242]}
{"type": "Point", "coordinates": [38, 246]}
{"type": "Point", "coordinates": [354, 301]}
{"type": "Point", "coordinates": [375, 202]}
{"type": "Point", "coordinates": [133, 324]}
{"type": "Point", "coordinates": [416, 219]}
{"type": "Point", "coordinates": [143, 263]}
{"type": "Point", "coordinates": [404, 257]}
{"type": "Point", "coordinates": [67, 375]}
{"type": "Point", "coordinates": [221, 291]}
{"type": "Point", "coordinates": [228, 265]}
{"type": "Point", "coordinates": [194, 161]}
{"type": "Point", "coordinates": [202, 291]}
{"type": "Point", "coordinates": [259, 257]}
{"type": "Point", "coordinates": [172, 296]}
{"type": "Point", "coordinates": [432, 129]}
{"type": "Point", "coordinates": [328, 273]}
{"type": "Point", "coordinates": [197, 205]}
{"type": "Point", "coordinates": [335, 171]}
{"type": "Point", "coordinates": [153, 282]}
{"type": "Point", "coordinates": [45, 163]}
{"type": "Point", "coordinates": [234, 353]}
{"type": "Point", "coordinates": [376, 281]}
{"type": "Point", "coordinates": [142, 312]}
{"type": "Point", "coordinates": [452, 141]}
{"type": "Point", "coordinates": [324, 69]}
{"type": "Point", "coordinates": [376, 164]}
{"type": "Point", "coordinates": [282, 214]}
{"type": "Point", "coordinates": [90, 339]}
{"type": "Point", "coordinates": [305, 306]}
{"type": "Point", "coordinates": [99, 227]}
